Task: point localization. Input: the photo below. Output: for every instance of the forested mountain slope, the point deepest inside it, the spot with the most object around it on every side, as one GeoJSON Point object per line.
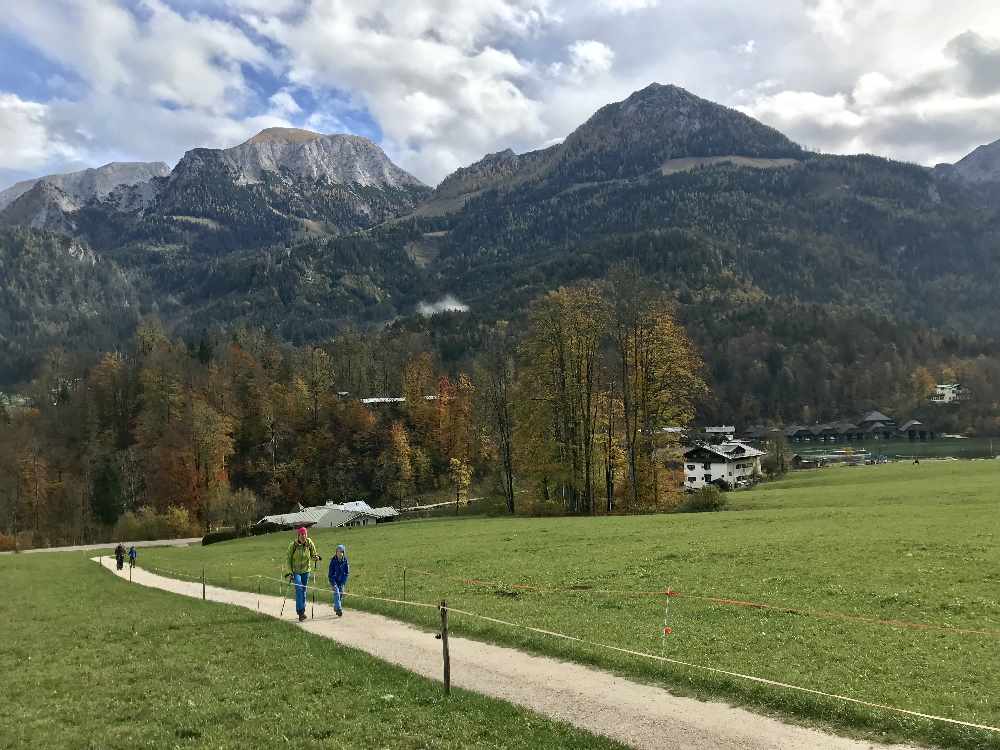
{"type": "Point", "coordinates": [813, 284]}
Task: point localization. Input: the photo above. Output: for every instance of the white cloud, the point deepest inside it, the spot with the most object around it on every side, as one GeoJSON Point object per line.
{"type": "Point", "coordinates": [26, 141]}
{"type": "Point", "coordinates": [283, 103]}
{"type": "Point", "coordinates": [589, 58]}
{"type": "Point", "coordinates": [627, 6]}
{"type": "Point", "coordinates": [446, 81]}
{"type": "Point", "coordinates": [154, 82]}
{"type": "Point", "coordinates": [789, 108]}
{"type": "Point", "coordinates": [448, 303]}
{"type": "Point", "coordinates": [428, 72]}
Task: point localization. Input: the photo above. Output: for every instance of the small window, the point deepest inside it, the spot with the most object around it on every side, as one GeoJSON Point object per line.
{"type": "Point", "coordinates": [690, 467]}
{"type": "Point", "coordinates": [692, 479]}
{"type": "Point", "coordinates": [706, 465]}
{"type": "Point", "coordinates": [708, 477]}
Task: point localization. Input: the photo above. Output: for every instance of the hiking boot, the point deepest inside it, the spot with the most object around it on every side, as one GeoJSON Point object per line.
{"type": "Point", "coordinates": [302, 616]}
{"type": "Point", "coordinates": [340, 613]}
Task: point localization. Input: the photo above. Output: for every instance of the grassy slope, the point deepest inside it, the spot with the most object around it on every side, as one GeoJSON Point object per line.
{"type": "Point", "coordinates": [916, 543]}
{"type": "Point", "coordinates": [92, 662]}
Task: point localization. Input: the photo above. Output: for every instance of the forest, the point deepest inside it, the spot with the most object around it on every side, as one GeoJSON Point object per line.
{"type": "Point", "coordinates": [167, 436]}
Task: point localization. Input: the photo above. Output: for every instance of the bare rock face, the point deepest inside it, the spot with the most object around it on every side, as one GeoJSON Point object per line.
{"type": "Point", "coordinates": [44, 206]}
{"type": "Point", "coordinates": [305, 156]}
{"type": "Point", "coordinates": [285, 180]}
{"type": "Point", "coordinates": [981, 165]}
{"type": "Point", "coordinates": [90, 184]}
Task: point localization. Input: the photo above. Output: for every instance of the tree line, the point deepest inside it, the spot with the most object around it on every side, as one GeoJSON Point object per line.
{"type": "Point", "coordinates": [564, 413]}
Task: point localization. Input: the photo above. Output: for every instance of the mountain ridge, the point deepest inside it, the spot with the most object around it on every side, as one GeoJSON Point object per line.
{"type": "Point", "coordinates": [804, 278]}
{"type": "Point", "coordinates": [277, 185]}
{"type": "Point", "coordinates": [92, 183]}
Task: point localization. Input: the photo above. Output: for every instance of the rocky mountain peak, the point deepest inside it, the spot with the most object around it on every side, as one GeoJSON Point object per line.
{"type": "Point", "coordinates": [91, 184]}
{"type": "Point", "coordinates": [662, 122]}
{"type": "Point", "coordinates": [304, 156]}
{"type": "Point", "coordinates": [283, 135]}
{"type": "Point", "coordinates": [981, 165]}
{"type": "Point", "coordinates": [44, 206]}
{"type": "Point", "coordinates": [482, 173]}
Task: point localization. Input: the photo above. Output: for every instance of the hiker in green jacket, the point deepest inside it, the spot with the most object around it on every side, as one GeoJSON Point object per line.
{"type": "Point", "coordinates": [302, 555]}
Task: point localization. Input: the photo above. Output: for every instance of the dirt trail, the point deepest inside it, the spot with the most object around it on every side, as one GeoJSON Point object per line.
{"type": "Point", "coordinates": [109, 545]}
{"type": "Point", "coordinates": [638, 715]}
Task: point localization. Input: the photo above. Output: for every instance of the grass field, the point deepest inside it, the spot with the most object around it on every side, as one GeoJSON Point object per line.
{"type": "Point", "coordinates": [901, 542]}
{"type": "Point", "coordinates": [89, 661]}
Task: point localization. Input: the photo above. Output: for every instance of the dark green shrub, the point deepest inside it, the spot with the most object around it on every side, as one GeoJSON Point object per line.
{"type": "Point", "coordinates": [266, 528]}
{"type": "Point", "coordinates": [704, 500]}
{"type": "Point", "coordinates": [222, 535]}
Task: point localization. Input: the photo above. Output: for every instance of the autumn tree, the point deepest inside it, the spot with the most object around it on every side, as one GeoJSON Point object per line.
{"type": "Point", "coordinates": [496, 377]}
{"type": "Point", "coordinates": [658, 374]}
{"type": "Point", "coordinates": [562, 360]}
{"type": "Point", "coordinates": [460, 474]}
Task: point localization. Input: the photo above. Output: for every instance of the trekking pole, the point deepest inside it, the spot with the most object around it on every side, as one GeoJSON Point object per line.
{"type": "Point", "coordinates": [284, 598]}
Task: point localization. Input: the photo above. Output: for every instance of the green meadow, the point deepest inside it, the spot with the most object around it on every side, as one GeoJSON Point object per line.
{"type": "Point", "coordinates": [902, 542]}
{"type": "Point", "coordinates": [90, 661]}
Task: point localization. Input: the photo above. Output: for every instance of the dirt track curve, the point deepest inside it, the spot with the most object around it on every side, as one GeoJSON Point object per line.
{"type": "Point", "coordinates": [641, 716]}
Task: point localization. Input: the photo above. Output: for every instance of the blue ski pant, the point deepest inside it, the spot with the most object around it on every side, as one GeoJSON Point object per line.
{"type": "Point", "coordinates": [301, 580]}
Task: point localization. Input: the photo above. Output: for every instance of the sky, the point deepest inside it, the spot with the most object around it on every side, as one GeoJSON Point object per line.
{"type": "Point", "coordinates": [440, 83]}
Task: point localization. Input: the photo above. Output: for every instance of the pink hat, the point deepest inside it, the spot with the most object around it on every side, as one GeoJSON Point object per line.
{"type": "Point", "coordinates": [302, 530]}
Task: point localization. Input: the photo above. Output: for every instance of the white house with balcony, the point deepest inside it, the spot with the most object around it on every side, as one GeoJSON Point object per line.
{"type": "Point", "coordinates": [947, 393]}
{"type": "Point", "coordinates": [728, 464]}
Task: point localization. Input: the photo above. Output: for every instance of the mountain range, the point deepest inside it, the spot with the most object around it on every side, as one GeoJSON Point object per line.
{"type": "Point", "coordinates": [782, 261]}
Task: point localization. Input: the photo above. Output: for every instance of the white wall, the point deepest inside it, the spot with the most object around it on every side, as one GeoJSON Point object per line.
{"type": "Point", "coordinates": [728, 471]}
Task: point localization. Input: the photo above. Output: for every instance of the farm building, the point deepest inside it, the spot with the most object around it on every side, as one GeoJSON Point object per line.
{"type": "Point", "coordinates": [333, 516]}
{"type": "Point", "coordinates": [725, 464]}
{"type": "Point", "coordinates": [877, 426]}
{"type": "Point", "coordinates": [916, 430]}
{"type": "Point", "coordinates": [873, 426]}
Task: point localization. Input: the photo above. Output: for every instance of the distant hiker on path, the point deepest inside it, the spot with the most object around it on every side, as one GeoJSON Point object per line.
{"type": "Point", "coordinates": [120, 555]}
{"type": "Point", "coordinates": [132, 555]}
{"type": "Point", "coordinates": [301, 555]}
{"type": "Point", "coordinates": [339, 570]}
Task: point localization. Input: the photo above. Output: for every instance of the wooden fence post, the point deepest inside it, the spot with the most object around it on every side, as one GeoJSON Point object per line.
{"type": "Point", "coordinates": [404, 583]}
{"type": "Point", "coordinates": [444, 647]}
{"type": "Point", "coordinates": [203, 584]}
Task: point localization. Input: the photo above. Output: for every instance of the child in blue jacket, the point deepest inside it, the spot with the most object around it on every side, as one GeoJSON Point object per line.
{"type": "Point", "coordinates": [339, 570]}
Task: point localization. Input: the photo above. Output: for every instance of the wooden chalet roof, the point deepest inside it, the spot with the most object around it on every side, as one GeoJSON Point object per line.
{"type": "Point", "coordinates": [875, 416]}
{"type": "Point", "coordinates": [732, 450]}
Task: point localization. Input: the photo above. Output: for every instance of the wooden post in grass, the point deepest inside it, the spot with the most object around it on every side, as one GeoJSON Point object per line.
{"type": "Point", "coordinates": [404, 584]}
{"type": "Point", "coordinates": [258, 594]}
{"type": "Point", "coordinates": [203, 584]}
{"type": "Point", "coordinates": [444, 647]}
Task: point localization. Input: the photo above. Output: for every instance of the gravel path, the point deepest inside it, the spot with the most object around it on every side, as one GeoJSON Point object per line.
{"type": "Point", "coordinates": [641, 716]}
{"type": "Point", "coordinates": [109, 545]}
